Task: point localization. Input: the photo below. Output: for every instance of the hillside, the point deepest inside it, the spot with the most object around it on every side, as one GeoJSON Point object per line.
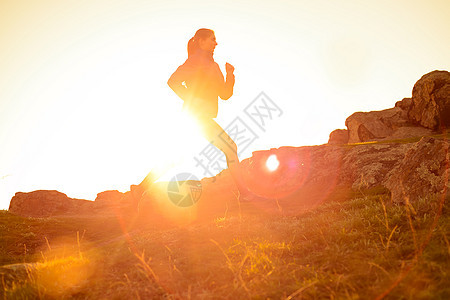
{"type": "Point", "coordinates": [351, 247]}
{"type": "Point", "coordinates": [364, 216]}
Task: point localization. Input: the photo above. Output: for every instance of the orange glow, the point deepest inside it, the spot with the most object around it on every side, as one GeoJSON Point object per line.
{"type": "Point", "coordinates": [156, 204]}
{"type": "Point", "coordinates": [64, 267]}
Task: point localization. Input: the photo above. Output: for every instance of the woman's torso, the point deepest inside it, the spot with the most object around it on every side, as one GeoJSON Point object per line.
{"type": "Point", "coordinates": [203, 80]}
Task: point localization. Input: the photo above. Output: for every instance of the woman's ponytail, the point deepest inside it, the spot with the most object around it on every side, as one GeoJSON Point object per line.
{"type": "Point", "coordinates": [192, 46]}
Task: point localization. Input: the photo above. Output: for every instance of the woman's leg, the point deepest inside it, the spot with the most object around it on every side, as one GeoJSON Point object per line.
{"type": "Point", "coordinates": [220, 139]}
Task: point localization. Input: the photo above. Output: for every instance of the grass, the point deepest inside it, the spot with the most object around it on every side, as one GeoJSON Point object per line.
{"type": "Point", "coordinates": [361, 247]}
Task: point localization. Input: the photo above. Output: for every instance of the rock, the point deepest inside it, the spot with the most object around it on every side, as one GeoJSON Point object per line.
{"type": "Point", "coordinates": [375, 125]}
{"type": "Point", "coordinates": [366, 166]}
{"type": "Point", "coordinates": [15, 274]}
{"type": "Point", "coordinates": [408, 132]}
{"type": "Point", "coordinates": [109, 198]}
{"type": "Point", "coordinates": [299, 167]}
{"type": "Point", "coordinates": [415, 169]}
{"type": "Point", "coordinates": [338, 137]}
{"type": "Point", "coordinates": [115, 202]}
{"type": "Point", "coordinates": [431, 101]}
{"type": "Point", "coordinates": [324, 165]}
{"type": "Point", "coordinates": [422, 172]}
{"type": "Point", "coordinates": [428, 108]}
{"type": "Point", "coordinates": [426, 111]}
{"type": "Point", "coordinates": [404, 104]}
{"type": "Point", "coordinates": [309, 175]}
{"type": "Point", "coordinates": [44, 203]}
{"type": "Point", "coordinates": [305, 176]}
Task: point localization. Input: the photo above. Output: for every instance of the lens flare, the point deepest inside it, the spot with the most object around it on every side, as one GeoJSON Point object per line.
{"type": "Point", "coordinates": [272, 162]}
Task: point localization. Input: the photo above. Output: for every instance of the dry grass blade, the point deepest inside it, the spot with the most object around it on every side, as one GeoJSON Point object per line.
{"type": "Point", "coordinates": [300, 290]}
{"type": "Point", "coordinates": [146, 267]}
{"type": "Point", "coordinates": [380, 267]}
{"type": "Point", "coordinates": [390, 236]}
{"type": "Point", "coordinates": [236, 273]}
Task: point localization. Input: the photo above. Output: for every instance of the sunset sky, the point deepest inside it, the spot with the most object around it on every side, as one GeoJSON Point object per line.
{"type": "Point", "coordinates": [85, 107]}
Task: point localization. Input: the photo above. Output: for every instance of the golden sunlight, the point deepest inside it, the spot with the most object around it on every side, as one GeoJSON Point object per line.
{"type": "Point", "coordinates": [177, 138]}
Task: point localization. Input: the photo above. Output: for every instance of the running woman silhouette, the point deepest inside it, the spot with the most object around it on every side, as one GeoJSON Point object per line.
{"type": "Point", "coordinates": [199, 82]}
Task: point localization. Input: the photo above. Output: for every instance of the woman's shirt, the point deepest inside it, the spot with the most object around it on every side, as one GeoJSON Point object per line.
{"type": "Point", "coordinates": [199, 82]}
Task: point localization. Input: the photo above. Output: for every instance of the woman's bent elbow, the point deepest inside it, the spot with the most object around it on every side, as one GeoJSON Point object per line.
{"type": "Point", "coordinates": [226, 96]}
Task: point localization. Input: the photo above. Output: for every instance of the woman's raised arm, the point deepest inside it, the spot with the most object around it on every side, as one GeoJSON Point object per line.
{"type": "Point", "coordinates": [227, 90]}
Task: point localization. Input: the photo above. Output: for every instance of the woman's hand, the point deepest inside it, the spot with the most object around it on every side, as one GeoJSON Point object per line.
{"type": "Point", "coordinates": [229, 68]}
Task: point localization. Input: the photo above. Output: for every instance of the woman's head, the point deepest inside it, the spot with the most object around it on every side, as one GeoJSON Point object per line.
{"type": "Point", "coordinates": [203, 39]}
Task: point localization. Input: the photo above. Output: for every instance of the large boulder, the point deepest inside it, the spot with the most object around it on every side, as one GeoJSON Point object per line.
{"type": "Point", "coordinates": [431, 101]}
{"type": "Point", "coordinates": [45, 203]}
{"type": "Point", "coordinates": [338, 137]}
{"type": "Point", "coordinates": [375, 125]}
{"type": "Point", "coordinates": [422, 172]}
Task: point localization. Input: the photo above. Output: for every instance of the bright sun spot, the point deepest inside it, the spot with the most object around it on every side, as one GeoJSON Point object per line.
{"type": "Point", "coordinates": [272, 162]}
{"type": "Point", "coordinates": [178, 139]}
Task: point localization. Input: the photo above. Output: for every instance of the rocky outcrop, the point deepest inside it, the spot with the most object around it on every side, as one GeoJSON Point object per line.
{"type": "Point", "coordinates": [358, 167]}
{"type": "Point", "coordinates": [426, 112]}
{"type": "Point", "coordinates": [375, 125]}
{"type": "Point", "coordinates": [115, 201]}
{"type": "Point", "coordinates": [299, 168]}
{"type": "Point", "coordinates": [366, 166]}
{"type": "Point", "coordinates": [305, 176]}
{"type": "Point", "coordinates": [109, 199]}
{"type": "Point", "coordinates": [338, 137]}
{"type": "Point", "coordinates": [412, 170]}
{"type": "Point", "coordinates": [423, 171]}
{"type": "Point", "coordinates": [45, 203]}
{"type": "Point", "coordinates": [430, 105]}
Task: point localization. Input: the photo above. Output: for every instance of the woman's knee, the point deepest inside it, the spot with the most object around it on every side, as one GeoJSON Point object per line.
{"type": "Point", "coordinates": [231, 154]}
{"type": "Point", "coordinates": [232, 146]}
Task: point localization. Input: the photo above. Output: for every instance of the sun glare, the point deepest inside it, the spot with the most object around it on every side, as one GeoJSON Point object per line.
{"type": "Point", "coordinates": [178, 137]}
{"type": "Point", "coordinates": [272, 162]}
{"type": "Point", "coordinates": [175, 142]}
